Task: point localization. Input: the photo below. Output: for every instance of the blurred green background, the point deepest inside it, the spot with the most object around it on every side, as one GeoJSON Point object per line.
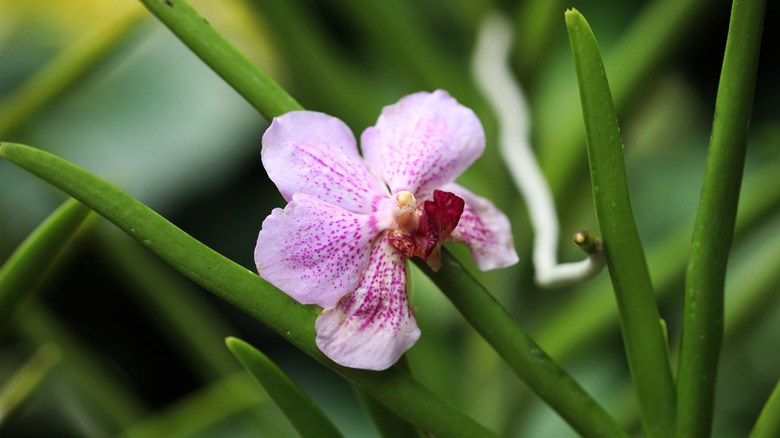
{"type": "Point", "coordinates": [141, 347]}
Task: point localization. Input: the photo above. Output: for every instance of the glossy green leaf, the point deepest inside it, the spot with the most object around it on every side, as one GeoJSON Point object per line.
{"type": "Point", "coordinates": [22, 271]}
{"type": "Point", "coordinates": [242, 288]}
{"type": "Point", "coordinates": [702, 331]}
{"type": "Point", "coordinates": [233, 66]}
{"type": "Point", "coordinates": [307, 418]}
{"type": "Point", "coordinates": [644, 341]}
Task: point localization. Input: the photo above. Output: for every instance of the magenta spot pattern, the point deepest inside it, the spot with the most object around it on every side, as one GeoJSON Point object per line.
{"type": "Point", "coordinates": [332, 244]}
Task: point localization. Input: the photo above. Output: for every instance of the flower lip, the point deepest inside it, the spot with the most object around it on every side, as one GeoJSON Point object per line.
{"type": "Point", "coordinates": [422, 231]}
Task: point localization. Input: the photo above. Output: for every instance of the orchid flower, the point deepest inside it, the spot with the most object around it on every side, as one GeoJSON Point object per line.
{"type": "Point", "coordinates": [350, 222]}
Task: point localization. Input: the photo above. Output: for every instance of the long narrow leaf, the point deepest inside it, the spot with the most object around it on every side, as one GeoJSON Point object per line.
{"type": "Point", "coordinates": [557, 388]}
{"type": "Point", "coordinates": [241, 287]}
{"type": "Point", "coordinates": [768, 424]}
{"type": "Point", "coordinates": [236, 69]}
{"type": "Point", "coordinates": [22, 270]}
{"type": "Point", "coordinates": [23, 383]}
{"type": "Point", "coordinates": [702, 331]}
{"type": "Point", "coordinates": [307, 418]}
{"type": "Point", "coordinates": [639, 318]}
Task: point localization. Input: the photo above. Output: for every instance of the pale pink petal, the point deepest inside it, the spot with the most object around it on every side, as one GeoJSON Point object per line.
{"type": "Point", "coordinates": [314, 251]}
{"type": "Point", "coordinates": [423, 142]}
{"type": "Point", "coordinates": [314, 153]}
{"type": "Point", "coordinates": [485, 230]}
{"type": "Point", "coordinates": [372, 327]}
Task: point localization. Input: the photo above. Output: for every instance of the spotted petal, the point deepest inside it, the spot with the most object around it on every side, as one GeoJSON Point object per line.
{"type": "Point", "coordinates": [423, 142]}
{"type": "Point", "coordinates": [314, 153]}
{"type": "Point", "coordinates": [485, 230]}
{"type": "Point", "coordinates": [372, 327]}
{"type": "Point", "coordinates": [314, 251]}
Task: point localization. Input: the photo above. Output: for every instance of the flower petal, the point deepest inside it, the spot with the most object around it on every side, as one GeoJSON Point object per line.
{"type": "Point", "coordinates": [314, 251]}
{"type": "Point", "coordinates": [372, 327]}
{"type": "Point", "coordinates": [423, 142]}
{"type": "Point", "coordinates": [314, 153]}
{"type": "Point", "coordinates": [485, 230]}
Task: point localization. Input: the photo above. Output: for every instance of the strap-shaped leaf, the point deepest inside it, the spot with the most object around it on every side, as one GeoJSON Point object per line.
{"type": "Point", "coordinates": [702, 331]}
{"type": "Point", "coordinates": [242, 288]}
{"type": "Point", "coordinates": [307, 418]}
{"type": "Point", "coordinates": [645, 345]}
{"type": "Point", "coordinates": [234, 67]}
{"type": "Point", "coordinates": [22, 270]}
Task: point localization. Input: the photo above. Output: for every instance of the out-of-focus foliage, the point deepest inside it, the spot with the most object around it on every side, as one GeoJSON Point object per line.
{"type": "Point", "coordinates": [153, 119]}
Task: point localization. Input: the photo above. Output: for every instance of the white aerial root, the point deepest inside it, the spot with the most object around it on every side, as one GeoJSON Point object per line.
{"type": "Point", "coordinates": [490, 66]}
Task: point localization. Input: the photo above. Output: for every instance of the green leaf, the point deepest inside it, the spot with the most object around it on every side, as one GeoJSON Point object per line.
{"type": "Point", "coordinates": [234, 67]}
{"type": "Point", "coordinates": [303, 413]}
{"type": "Point", "coordinates": [702, 331]}
{"type": "Point", "coordinates": [545, 377]}
{"type": "Point", "coordinates": [244, 289]}
{"type": "Point", "coordinates": [18, 388]}
{"type": "Point", "coordinates": [768, 424]}
{"type": "Point", "coordinates": [655, 35]}
{"type": "Point", "coordinates": [645, 346]}
{"type": "Point", "coordinates": [22, 271]}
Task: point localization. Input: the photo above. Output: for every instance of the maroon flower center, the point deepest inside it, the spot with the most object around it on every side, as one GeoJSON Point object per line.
{"type": "Point", "coordinates": [436, 219]}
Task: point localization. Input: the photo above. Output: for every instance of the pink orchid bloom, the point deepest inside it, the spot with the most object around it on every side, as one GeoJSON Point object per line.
{"type": "Point", "coordinates": [350, 222]}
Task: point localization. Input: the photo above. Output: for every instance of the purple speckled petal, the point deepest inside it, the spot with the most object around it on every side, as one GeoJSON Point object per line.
{"type": "Point", "coordinates": [314, 251]}
{"type": "Point", "coordinates": [423, 142]}
{"type": "Point", "coordinates": [485, 230]}
{"type": "Point", "coordinates": [314, 153]}
{"type": "Point", "coordinates": [372, 327]}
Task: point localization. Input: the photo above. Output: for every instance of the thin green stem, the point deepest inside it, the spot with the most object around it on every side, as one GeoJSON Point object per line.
{"type": "Point", "coordinates": [242, 288]}
{"type": "Point", "coordinates": [22, 271]}
{"type": "Point", "coordinates": [234, 67]}
{"type": "Point", "coordinates": [702, 331]}
{"type": "Point", "coordinates": [646, 348]}
{"type": "Point", "coordinates": [546, 378]}
{"type": "Point", "coordinates": [768, 424]}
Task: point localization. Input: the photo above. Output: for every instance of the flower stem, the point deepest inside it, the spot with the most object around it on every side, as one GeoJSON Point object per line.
{"type": "Point", "coordinates": [545, 377]}
{"type": "Point", "coordinates": [234, 67]}
{"type": "Point", "coordinates": [702, 331]}
{"type": "Point", "coordinates": [646, 347]}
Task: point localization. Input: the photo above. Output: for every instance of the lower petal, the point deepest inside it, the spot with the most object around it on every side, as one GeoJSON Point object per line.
{"type": "Point", "coordinates": [485, 230]}
{"type": "Point", "coordinates": [372, 327]}
{"type": "Point", "coordinates": [314, 251]}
